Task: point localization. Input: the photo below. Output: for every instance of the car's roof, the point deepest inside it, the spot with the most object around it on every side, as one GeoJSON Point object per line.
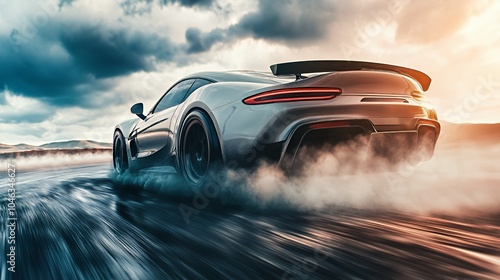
{"type": "Point", "coordinates": [243, 76]}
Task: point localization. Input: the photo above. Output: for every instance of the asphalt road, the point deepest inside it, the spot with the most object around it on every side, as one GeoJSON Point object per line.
{"type": "Point", "coordinates": [78, 223]}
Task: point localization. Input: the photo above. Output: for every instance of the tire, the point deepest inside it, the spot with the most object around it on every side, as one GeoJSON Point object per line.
{"type": "Point", "coordinates": [120, 160]}
{"type": "Point", "coordinates": [199, 152]}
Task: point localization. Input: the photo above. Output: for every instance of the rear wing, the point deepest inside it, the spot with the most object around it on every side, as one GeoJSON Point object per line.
{"type": "Point", "coordinates": [301, 67]}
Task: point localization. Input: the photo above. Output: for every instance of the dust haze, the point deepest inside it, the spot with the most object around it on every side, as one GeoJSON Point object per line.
{"type": "Point", "coordinates": [462, 178]}
{"type": "Point", "coordinates": [54, 159]}
{"type": "Point", "coordinates": [458, 180]}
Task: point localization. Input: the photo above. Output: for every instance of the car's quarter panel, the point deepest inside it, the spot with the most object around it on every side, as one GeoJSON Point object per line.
{"type": "Point", "coordinates": [208, 99]}
{"type": "Point", "coordinates": [240, 126]}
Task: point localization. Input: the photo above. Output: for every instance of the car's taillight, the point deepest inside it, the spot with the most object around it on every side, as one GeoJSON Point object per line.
{"type": "Point", "coordinates": [293, 94]}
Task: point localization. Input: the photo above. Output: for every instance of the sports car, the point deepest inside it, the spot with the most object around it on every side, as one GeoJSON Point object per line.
{"type": "Point", "coordinates": [237, 119]}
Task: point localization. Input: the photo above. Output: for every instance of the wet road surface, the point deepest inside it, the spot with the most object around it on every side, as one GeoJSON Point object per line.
{"type": "Point", "coordinates": [75, 223]}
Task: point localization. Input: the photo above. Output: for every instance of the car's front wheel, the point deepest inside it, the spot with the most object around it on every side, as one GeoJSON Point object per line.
{"type": "Point", "coordinates": [199, 155]}
{"type": "Point", "coordinates": [120, 161]}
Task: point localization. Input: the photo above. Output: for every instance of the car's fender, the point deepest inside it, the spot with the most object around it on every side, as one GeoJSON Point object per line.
{"type": "Point", "coordinates": [126, 127]}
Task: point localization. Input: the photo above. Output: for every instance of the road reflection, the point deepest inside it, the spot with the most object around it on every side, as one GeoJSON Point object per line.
{"type": "Point", "coordinates": [77, 224]}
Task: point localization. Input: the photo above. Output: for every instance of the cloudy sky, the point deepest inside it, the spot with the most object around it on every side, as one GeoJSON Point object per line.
{"type": "Point", "coordinates": [70, 69]}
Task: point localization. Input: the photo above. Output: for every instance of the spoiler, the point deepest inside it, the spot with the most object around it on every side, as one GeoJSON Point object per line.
{"type": "Point", "coordinates": [301, 67]}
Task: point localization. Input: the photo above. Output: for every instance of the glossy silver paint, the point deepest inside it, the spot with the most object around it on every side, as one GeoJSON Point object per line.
{"type": "Point", "coordinates": [386, 101]}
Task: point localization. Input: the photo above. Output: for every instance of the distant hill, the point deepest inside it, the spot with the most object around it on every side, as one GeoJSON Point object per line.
{"type": "Point", "coordinates": [18, 147]}
{"type": "Point", "coordinates": [63, 145]}
{"type": "Point", "coordinates": [76, 144]}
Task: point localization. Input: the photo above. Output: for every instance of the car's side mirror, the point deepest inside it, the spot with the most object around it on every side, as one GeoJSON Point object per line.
{"type": "Point", "coordinates": [137, 109]}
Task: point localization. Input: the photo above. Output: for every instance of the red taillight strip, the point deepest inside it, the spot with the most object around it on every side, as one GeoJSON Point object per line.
{"type": "Point", "coordinates": [293, 94]}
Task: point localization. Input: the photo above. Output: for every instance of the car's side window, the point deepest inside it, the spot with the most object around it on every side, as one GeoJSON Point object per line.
{"type": "Point", "coordinates": [174, 96]}
{"type": "Point", "coordinates": [196, 85]}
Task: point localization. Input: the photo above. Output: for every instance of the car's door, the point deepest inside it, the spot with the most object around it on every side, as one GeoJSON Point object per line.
{"type": "Point", "coordinates": [154, 132]}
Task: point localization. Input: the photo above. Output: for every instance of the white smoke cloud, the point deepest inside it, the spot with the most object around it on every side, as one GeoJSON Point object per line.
{"type": "Point", "coordinates": [57, 160]}
{"type": "Point", "coordinates": [459, 180]}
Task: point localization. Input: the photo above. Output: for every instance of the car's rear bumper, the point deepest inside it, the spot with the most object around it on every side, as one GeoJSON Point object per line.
{"type": "Point", "coordinates": [398, 142]}
{"type": "Point", "coordinates": [392, 142]}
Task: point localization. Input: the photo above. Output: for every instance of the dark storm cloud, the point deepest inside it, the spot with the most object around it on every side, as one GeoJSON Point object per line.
{"type": "Point", "coordinates": [25, 117]}
{"type": "Point", "coordinates": [291, 21]}
{"type": "Point", "coordinates": [35, 71]}
{"type": "Point", "coordinates": [190, 3]}
{"type": "Point", "coordinates": [287, 20]}
{"type": "Point", "coordinates": [114, 52]}
{"type": "Point", "coordinates": [139, 7]}
{"type": "Point", "coordinates": [65, 2]}
{"type": "Point", "coordinates": [68, 62]}
{"type": "Point", "coordinates": [3, 100]}
{"type": "Point", "coordinates": [200, 42]}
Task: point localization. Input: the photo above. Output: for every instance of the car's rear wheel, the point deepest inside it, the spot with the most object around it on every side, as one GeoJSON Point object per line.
{"type": "Point", "coordinates": [199, 155]}
{"type": "Point", "coordinates": [120, 161]}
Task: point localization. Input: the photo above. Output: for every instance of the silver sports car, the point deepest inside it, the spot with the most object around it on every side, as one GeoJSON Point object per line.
{"type": "Point", "coordinates": [236, 119]}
